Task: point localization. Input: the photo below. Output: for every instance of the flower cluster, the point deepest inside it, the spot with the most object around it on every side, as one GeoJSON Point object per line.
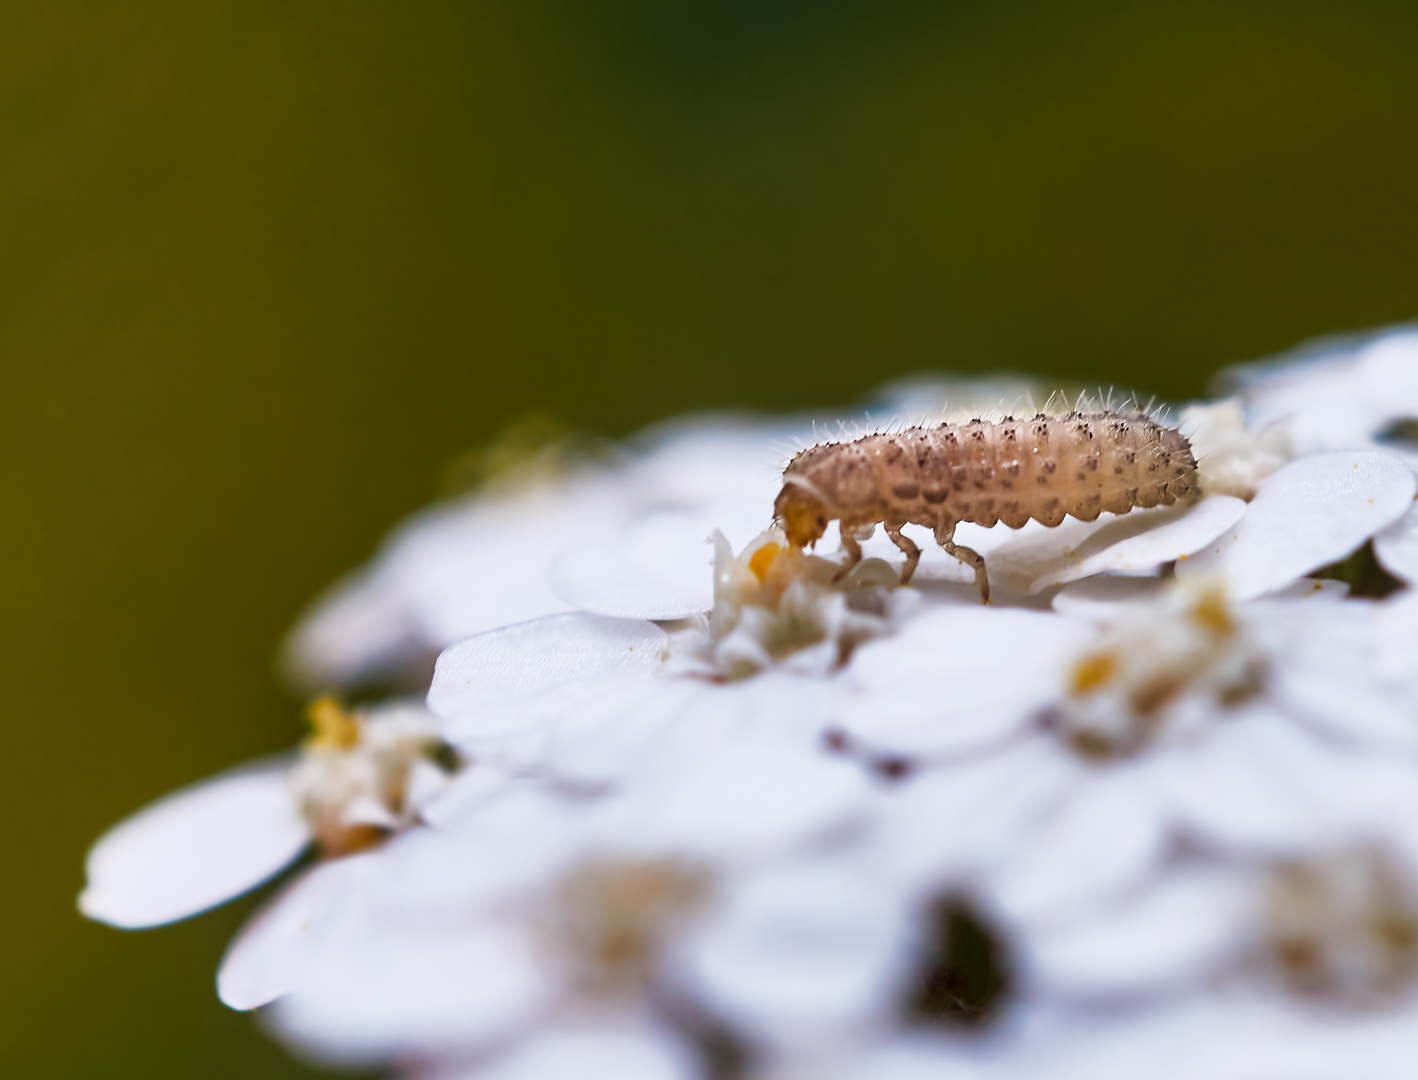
{"type": "Point", "coordinates": [676, 810]}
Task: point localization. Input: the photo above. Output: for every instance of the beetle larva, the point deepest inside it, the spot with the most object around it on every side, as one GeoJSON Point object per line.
{"type": "Point", "coordinates": [983, 472]}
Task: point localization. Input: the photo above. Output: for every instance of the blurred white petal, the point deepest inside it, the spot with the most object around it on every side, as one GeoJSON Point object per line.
{"type": "Point", "coordinates": [1108, 835]}
{"type": "Point", "coordinates": [1178, 930]}
{"type": "Point", "coordinates": [661, 568]}
{"type": "Point", "coordinates": [1229, 792]}
{"type": "Point", "coordinates": [416, 988]}
{"type": "Point", "coordinates": [612, 1052]}
{"type": "Point", "coordinates": [275, 950]}
{"type": "Point", "coordinates": [799, 953]}
{"type": "Point", "coordinates": [516, 664]}
{"type": "Point", "coordinates": [194, 849]}
{"type": "Point", "coordinates": [957, 678]}
{"type": "Point", "coordinates": [1396, 547]}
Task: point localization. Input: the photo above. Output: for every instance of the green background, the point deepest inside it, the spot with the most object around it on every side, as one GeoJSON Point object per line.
{"type": "Point", "coordinates": [266, 268]}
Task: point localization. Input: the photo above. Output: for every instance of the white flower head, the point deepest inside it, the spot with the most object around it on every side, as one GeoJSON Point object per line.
{"type": "Point", "coordinates": [360, 777]}
{"type": "Point", "coordinates": [1233, 458]}
{"type": "Point", "coordinates": [1164, 669]}
{"type": "Point", "coordinates": [1352, 395]}
{"type": "Point", "coordinates": [776, 604]}
{"type": "Point", "coordinates": [1342, 925]}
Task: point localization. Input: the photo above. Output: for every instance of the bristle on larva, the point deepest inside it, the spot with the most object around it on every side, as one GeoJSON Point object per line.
{"type": "Point", "coordinates": [1045, 468]}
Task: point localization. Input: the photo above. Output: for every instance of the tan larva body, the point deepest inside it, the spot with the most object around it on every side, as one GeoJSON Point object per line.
{"type": "Point", "coordinates": [984, 472]}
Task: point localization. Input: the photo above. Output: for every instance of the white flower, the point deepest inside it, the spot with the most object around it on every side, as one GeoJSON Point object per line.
{"type": "Point", "coordinates": [1349, 396]}
{"type": "Point", "coordinates": [772, 820]}
{"type": "Point", "coordinates": [492, 559]}
{"type": "Point", "coordinates": [537, 913]}
{"type": "Point", "coordinates": [357, 779]}
{"type": "Point", "coordinates": [776, 605]}
{"type": "Point", "coordinates": [1232, 458]}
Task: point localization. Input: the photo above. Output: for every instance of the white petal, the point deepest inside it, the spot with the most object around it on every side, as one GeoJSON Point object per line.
{"type": "Point", "coordinates": [661, 568]}
{"type": "Point", "coordinates": [466, 792]}
{"type": "Point", "coordinates": [1228, 1037]}
{"type": "Point", "coordinates": [801, 952]}
{"type": "Point", "coordinates": [406, 989]}
{"type": "Point", "coordinates": [1109, 834]}
{"type": "Point", "coordinates": [1099, 598]}
{"type": "Point", "coordinates": [1229, 791]}
{"type": "Point", "coordinates": [1313, 512]}
{"type": "Point", "coordinates": [1397, 547]}
{"type": "Point", "coordinates": [1178, 930]}
{"type": "Point", "coordinates": [958, 678]}
{"type": "Point", "coordinates": [276, 948]}
{"type": "Point", "coordinates": [513, 843]}
{"type": "Point", "coordinates": [945, 823]}
{"type": "Point", "coordinates": [1035, 553]}
{"type": "Point", "coordinates": [518, 663]}
{"type": "Point", "coordinates": [729, 788]}
{"type": "Point", "coordinates": [566, 1053]}
{"type": "Point", "coordinates": [194, 849]}
{"type": "Point", "coordinates": [1327, 676]}
{"type": "Point", "coordinates": [911, 1058]}
{"type": "Point", "coordinates": [362, 624]}
{"type": "Point", "coordinates": [1140, 541]}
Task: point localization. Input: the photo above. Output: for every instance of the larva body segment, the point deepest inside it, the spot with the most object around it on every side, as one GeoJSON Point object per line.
{"type": "Point", "coordinates": [1046, 468]}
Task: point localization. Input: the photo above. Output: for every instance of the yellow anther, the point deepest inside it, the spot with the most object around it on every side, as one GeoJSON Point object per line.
{"type": "Point", "coordinates": [1091, 672]}
{"type": "Point", "coordinates": [762, 559]}
{"type": "Point", "coordinates": [332, 727]}
{"type": "Point", "coordinates": [1211, 612]}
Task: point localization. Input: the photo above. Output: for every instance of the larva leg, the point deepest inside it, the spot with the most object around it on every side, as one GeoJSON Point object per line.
{"type": "Point", "coordinates": [945, 537]}
{"type": "Point", "coordinates": [908, 548]}
{"type": "Point", "coordinates": [853, 549]}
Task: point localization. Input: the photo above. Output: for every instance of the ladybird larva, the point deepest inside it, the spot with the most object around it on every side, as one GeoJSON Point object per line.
{"type": "Point", "coordinates": [984, 472]}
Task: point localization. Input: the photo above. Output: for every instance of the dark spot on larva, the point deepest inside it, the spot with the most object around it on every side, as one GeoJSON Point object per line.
{"type": "Point", "coordinates": [934, 494]}
{"type": "Point", "coordinates": [1006, 483]}
{"type": "Point", "coordinates": [1040, 416]}
{"type": "Point", "coordinates": [1117, 470]}
{"type": "Point", "coordinates": [1010, 434]}
{"type": "Point", "coordinates": [977, 436]}
{"type": "Point", "coordinates": [906, 491]}
{"type": "Point", "coordinates": [1041, 480]}
{"type": "Point", "coordinates": [1012, 468]}
{"type": "Point", "coordinates": [1049, 466]}
{"type": "Point", "coordinates": [1130, 457]}
{"type": "Point", "coordinates": [1080, 475]}
{"type": "Point", "coordinates": [1091, 464]}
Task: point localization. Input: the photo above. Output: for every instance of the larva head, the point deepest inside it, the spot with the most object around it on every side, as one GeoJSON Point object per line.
{"type": "Point", "coordinates": [800, 514]}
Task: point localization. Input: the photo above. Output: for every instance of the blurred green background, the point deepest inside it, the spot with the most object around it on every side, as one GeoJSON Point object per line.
{"type": "Point", "coordinates": [266, 268]}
